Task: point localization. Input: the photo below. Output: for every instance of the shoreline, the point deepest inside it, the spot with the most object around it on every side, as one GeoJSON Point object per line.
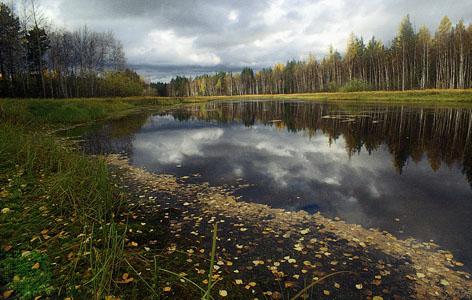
{"type": "Point", "coordinates": [269, 244]}
{"type": "Point", "coordinates": [422, 267]}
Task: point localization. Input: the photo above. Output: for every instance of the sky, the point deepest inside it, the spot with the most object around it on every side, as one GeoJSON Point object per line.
{"type": "Point", "coordinates": [164, 38]}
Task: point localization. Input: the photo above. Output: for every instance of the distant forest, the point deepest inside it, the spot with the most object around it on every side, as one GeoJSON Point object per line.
{"type": "Point", "coordinates": [37, 61]}
{"type": "Point", "coordinates": [412, 60]}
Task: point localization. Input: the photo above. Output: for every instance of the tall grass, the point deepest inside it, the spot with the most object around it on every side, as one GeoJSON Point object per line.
{"type": "Point", "coordinates": [71, 187]}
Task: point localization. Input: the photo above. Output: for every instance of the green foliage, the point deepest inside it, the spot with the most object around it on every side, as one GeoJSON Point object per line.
{"type": "Point", "coordinates": [123, 84]}
{"type": "Point", "coordinates": [26, 280]}
{"type": "Point", "coordinates": [356, 85]}
{"type": "Point", "coordinates": [333, 87]}
{"type": "Point", "coordinates": [60, 111]}
{"type": "Point", "coordinates": [37, 43]}
{"type": "Point", "coordinates": [68, 185]}
{"type": "Point", "coordinates": [180, 86]}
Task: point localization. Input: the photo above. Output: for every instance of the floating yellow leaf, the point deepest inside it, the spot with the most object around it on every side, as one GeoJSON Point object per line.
{"type": "Point", "coordinates": [305, 231]}
{"type": "Point", "coordinates": [167, 289]}
{"type": "Point", "coordinates": [377, 298]}
{"type": "Point", "coordinates": [223, 293]}
{"type": "Point", "coordinates": [359, 286]}
{"type": "Point", "coordinates": [326, 292]}
{"type": "Point", "coordinates": [444, 282]}
{"type": "Point", "coordinates": [238, 281]}
{"type": "Point", "coordinates": [258, 262]}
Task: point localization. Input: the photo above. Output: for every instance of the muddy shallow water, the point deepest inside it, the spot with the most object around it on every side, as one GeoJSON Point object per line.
{"type": "Point", "coordinates": [403, 169]}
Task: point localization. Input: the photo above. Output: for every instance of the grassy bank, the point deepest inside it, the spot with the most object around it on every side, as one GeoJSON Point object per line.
{"type": "Point", "coordinates": [419, 96]}
{"type": "Point", "coordinates": [39, 112]}
{"type": "Point", "coordinates": [446, 97]}
{"type": "Point", "coordinates": [57, 224]}
{"type": "Point", "coordinates": [64, 229]}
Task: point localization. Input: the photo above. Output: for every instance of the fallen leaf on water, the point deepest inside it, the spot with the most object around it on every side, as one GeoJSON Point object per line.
{"type": "Point", "coordinates": [326, 292]}
{"type": "Point", "coordinates": [167, 289]}
{"type": "Point", "coordinates": [444, 282]}
{"type": "Point", "coordinates": [377, 298]}
{"type": "Point", "coordinates": [337, 285]}
{"type": "Point", "coordinates": [258, 262]}
{"type": "Point", "coordinates": [359, 286]}
{"type": "Point", "coordinates": [238, 281]}
{"type": "Point", "coordinates": [223, 293]}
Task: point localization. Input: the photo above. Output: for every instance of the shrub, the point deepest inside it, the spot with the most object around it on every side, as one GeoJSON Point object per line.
{"type": "Point", "coordinates": [356, 85]}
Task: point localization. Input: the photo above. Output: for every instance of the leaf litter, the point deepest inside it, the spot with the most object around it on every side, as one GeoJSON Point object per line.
{"type": "Point", "coordinates": [277, 251]}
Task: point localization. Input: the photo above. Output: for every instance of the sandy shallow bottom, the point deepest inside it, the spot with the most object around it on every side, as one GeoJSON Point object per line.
{"type": "Point", "coordinates": [273, 254]}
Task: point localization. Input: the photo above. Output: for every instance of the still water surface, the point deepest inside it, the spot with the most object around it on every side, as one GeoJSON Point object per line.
{"type": "Point", "coordinates": [404, 169]}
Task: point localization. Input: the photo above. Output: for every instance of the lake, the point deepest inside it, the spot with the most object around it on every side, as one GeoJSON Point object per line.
{"type": "Point", "coordinates": [400, 168]}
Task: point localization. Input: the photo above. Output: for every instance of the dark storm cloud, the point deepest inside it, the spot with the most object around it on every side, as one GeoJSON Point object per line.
{"type": "Point", "coordinates": [245, 32]}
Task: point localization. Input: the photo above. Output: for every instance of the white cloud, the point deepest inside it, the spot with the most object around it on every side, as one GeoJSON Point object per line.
{"type": "Point", "coordinates": [233, 16]}
{"type": "Point", "coordinates": [246, 32]}
{"type": "Point", "coordinates": [165, 46]}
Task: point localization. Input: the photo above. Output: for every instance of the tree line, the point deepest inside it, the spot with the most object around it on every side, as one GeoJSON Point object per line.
{"type": "Point", "coordinates": [412, 60]}
{"type": "Point", "coordinates": [37, 61]}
